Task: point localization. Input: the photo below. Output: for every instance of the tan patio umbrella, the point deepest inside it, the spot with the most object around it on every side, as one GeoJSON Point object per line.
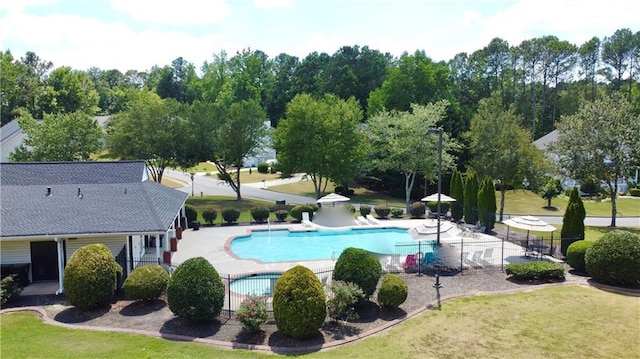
{"type": "Point", "coordinates": [333, 198]}
{"type": "Point", "coordinates": [530, 223]}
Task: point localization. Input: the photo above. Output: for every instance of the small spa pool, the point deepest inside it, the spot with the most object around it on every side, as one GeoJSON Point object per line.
{"type": "Point", "coordinates": [257, 284]}
{"type": "Point", "coordinates": [286, 246]}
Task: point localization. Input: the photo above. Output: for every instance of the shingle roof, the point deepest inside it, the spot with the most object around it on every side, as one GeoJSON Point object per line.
{"type": "Point", "coordinates": [114, 199]}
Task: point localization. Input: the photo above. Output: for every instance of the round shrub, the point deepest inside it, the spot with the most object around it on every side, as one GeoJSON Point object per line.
{"type": "Point", "coordinates": [299, 303]}
{"type": "Point", "coordinates": [418, 209]}
{"type": "Point", "coordinates": [365, 210]}
{"type": "Point", "coordinates": [190, 212]}
{"type": "Point", "coordinates": [252, 313]}
{"type": "Point", "coordinates": [296, 212]}
{"type": "Point", "coordinates": [349, 207]}
{"type": "Point", "coordinates": [91, 277]}
{"type": "Point", "coordinates": [397, 212]}
{"type": "Point", "coordinates": [263, 167]}
{"type": "Point", "coordinates": [576, 253]}
{"type": "Point", "coordinates": [260, 214]}
{"type": "Point", "coordinates": [433, 206]}
{"type": "Point", "coordinates": [393, 291]}
{"type": "Point", "coordinates": [282, 214]}
{"type": "Point", "coordinates": [230, 215]}
{"type": "Point", "coordinates": [382, 211]}
{"type": "Point", "coordinates": [209, 215]}
{"type": "Point", "coordinates": [146, 282]}
{"type": "Point", "coordinates": [358, 266]}
{"type": "Point", "coordinates": [615, 259]}
{"type": "Point", "coordinates": [195, 291]}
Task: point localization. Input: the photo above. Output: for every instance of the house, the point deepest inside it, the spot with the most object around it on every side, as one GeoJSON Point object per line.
{"type": "Point", "coordinates": [50, 209]}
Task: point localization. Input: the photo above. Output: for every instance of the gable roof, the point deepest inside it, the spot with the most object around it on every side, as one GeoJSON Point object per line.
{"type": "Point", "coordinates": [543, 142]}
{"type": "Point", "coordinates": [86, 198]}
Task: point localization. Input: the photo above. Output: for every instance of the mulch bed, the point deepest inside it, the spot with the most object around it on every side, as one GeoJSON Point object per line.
{"type": "Point", "coordinates": [156, 317]}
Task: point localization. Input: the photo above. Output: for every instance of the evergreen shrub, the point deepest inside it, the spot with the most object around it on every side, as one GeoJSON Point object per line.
{"type": "Point", "coordinates": [576, 253]}
{"type": "Point", "coordinates": [299, 303]}
{"type": "Point", "coordinates": [260, 214]}
{"type": "Point", "coordinates": [230, 215]}
{"type": "Point", "coordinates": [342, 298]}
{"type": "Point", "coordinates": [282, 214]}
{"type": "Point", "coordinates": [358, 266]}
{"type": "Point", "coordinates": [615, 259]}
{"type": "Point", "coordinates": [91, 277]}
{"type": "Point", "coordinates": [365, 210]}
{"type": "Point", "coordinates": [382, 211]}
{"type": "Point", "coordinates": [190, 212]}
{"type": "Point", "coordinates": [397, 212]}
{"type": "Point", "coordinates": [209, 215]}
{"type": "Point", "coordinates": [296, 212]}
{"type": "Point", "coordinates": [195, 292]}
{"type": "Point", "coordinates": [263, 167]}
{"type": "Point", "coordinates": [9, 289]}
{"type": "Point", "coordinates": [393, 291]}
{"type": "Point", "coordinates": [146, 282]}
{"type": "Point", "coordinates": [433, 206]}
{"type": "Point", "coordinates": [634, 192]}
{"type": "Point", "coordinates": [536, 270]}
{"type": "Point", "coordinates": [418, 210]}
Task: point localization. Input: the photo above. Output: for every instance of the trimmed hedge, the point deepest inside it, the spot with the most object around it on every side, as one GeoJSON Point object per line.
{"type": "Point", "coordinates": [282, 214]}
{"type": "Point", "coordinates": [299, 303]}
{"type": "Point", "coordinates": [260, 214]}
{"type": "Point", "coordinates": [146, 282]}
{"type": "Point", "coordinates": [91, 277]}
{"type": "Point", "coordinates": [358, 266]}
{"type": "Point", "coordinates": [365, 210]}
{"type": "Point", "coordinates": [230, 215]}
{"type": "Point", "coordinates": [263, 167]}
{"type": "Point", "coordinates": [576, 253]}
{"type": "Point", "coordinates": [397, 213]}
{"type": "Point", "coordinates": [195, 291]}
{"type": "Point", "coordinates": [433, 206]}
{"type": "Point", "coordinates": [209, 215]}
{"type": "Point", "coordinates": [296, 212]}
{"type": "Point", "coordinates": [190, 212]}
{"type": "Point", "coordinates": [634, 192]}
{"type": "Point", "coordinates": [382, 211]}
{"type": "Point", "coordinates": [393, 291]}
{"type": "Point", "coordinates": [418, 210]}
{"type": "Point", "coordinates": [537, 270]}
{"type": "Point", "coordinates": [615, 259]}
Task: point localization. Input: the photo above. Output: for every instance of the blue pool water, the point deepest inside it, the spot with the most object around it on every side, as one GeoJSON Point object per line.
{"type": "Point", "coordinates": [259, 284]}
{"type": "Point", "coordinates": [285, 246]}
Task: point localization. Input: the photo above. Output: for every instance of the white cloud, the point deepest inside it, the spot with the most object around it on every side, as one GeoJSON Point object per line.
{"type": "Point", "coordinates": [184, 12]}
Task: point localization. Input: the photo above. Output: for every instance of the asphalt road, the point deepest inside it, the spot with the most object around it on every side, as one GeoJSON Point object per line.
{"type": "Point", "coordinates": [211, 185]}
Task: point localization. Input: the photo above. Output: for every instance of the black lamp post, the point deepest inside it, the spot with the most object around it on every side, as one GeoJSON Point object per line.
{"type": "Point", "coordinates": [439, 132]}
{"type": "Point", "coordinates": [192, 175]}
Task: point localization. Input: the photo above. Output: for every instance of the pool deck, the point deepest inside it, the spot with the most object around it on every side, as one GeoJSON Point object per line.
{"type": "Point", "coordinates": [211, 242]}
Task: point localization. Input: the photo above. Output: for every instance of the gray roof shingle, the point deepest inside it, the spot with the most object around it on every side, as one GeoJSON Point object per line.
{"type": "Point", "coordinates": [114, 199]}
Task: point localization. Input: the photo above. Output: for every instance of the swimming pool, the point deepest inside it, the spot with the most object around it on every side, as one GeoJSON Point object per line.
{"type": "Point", "coordinates": [286, 246]}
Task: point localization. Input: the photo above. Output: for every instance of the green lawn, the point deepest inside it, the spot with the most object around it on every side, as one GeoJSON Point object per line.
{"type": "Point", "coordinates": [220, 202]}
{"type": "Point", "coordinates": [361, 195]}
{"type": "Point", "coordinates": [554, 322]}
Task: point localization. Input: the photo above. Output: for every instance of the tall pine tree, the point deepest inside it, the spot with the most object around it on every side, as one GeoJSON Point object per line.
{"type": "Point", "coordinates": [573, 221]}
{"type": "Point", "coordinates": [457, 191]}
{"type": "Point", "coordinates": [471, 198]}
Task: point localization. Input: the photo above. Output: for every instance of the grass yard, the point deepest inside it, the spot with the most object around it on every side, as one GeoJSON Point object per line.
{"type": "Point", "coordinates": [591, 233]}
{"type": "Point", "coordinates": [554, 322]}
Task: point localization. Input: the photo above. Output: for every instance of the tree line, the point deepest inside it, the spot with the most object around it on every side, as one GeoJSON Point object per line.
{"type": "Point", "coordinates": [358, 113]}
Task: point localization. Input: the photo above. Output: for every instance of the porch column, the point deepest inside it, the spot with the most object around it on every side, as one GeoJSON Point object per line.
{"type": "Point", "coordinates": [59, 245]}
{"type": "Point", "coordinates": [127, 260]}
{"type": "Point", "coordinates": [157, 246]}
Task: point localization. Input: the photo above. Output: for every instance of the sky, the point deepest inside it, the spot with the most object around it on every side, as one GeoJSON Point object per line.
{"type": "Point", "coordinates": [138, 34]}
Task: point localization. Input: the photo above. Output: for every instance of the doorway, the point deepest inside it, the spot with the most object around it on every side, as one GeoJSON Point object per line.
{"type": "Point", "coordinates": [44, 261]}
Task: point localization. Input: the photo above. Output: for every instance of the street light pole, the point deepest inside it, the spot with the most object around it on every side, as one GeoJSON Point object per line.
{"type": "Point", "coordinates": [192, 175]}
{"type": "Point", "coordinates": [439, 132]}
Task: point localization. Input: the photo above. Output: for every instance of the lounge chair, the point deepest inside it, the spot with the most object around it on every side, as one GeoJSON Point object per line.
{"type": "Point", "coordinates": [487, 257]}
{"type": "Point", "coordinates": [372, 219]}
{"type": "Point", "coordinates": [409, 262]}
{"type": "Point", "coordinates": [363, 220]}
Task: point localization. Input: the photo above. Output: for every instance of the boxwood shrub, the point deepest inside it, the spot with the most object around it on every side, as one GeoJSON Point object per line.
{"type": "Point", "coordinates": [190, 212]}
{"type": "Point", "coordinates": [365, 210]}
{"type": "Point", "coordinates": [146, 282]}
{"type": "Point", "coordinates": [418, 209]}
{"type": "Point", "coordinates": [260, 214]}
{"type": "Point", "coordinates": [282, 214]}
{"type": "Point", "coordinates": [209, 215]}
{"type": "Point", "coordinates": [230, 215]}
{"type": "Point", "coordinates": [393, 291]}
{"type": "Point", "coordinates": [615, 259]}
{"type": "Point", "coordinates": [91, 277]}
{"type": "Point", "coordinates": [299, 303]}
{"type": "Point", "coordinates": [296, 212]}
{"type": "Point", "coordinates": [535, 270]}
{"type": "Point", "coordinates": [195, 291]}
{"type": "Point", "coordinates": [575, 254]}
{"type": "Point", "coordinates": [382, 211]}
{"type": "Point", "coordinates": [634, 192]}
{"type": "Point", "coordinates": [263, 167]}
{"type": "Point", "coordinates": [433, 206]}
{"type": "Point", "coordinates": [397, 212]}
{"type": "Point", "coordinates": [358, 266]}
